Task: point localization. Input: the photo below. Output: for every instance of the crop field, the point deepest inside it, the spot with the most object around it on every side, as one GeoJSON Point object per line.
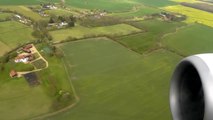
{"type": "Point", "coordinates": [23, 10]}
{"type": "Point", "coordinates": [23, 2]}
{"type": "Point", "coordinates": [145, 41]}
{"type": "Point", "coordinates": [4, 48]}
{"type": "Point", "coordinates": [112, 82]}
{"type": "Point", "coordinates": [193, 15]}
{"type": "Point", "coordinates": [187, 42]}
{"type": "Point", "coordinates": [4, 16]}
{"type": "Point", "coordinates": [13, 33]}
{"type": "Point", "coordinates": [159, 3]}
{"type": "Point", "coordinates": [109, 5]}
{"type": "Point", "coordinates": [81, 32]}
{"type": "Point", "coordinates": [143, 10]}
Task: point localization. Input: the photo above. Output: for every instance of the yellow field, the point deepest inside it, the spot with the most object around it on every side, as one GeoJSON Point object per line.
{"type": "Point", "coordinates": [24, 11]}
{"type": "Point", "coordinates": [193, 15]}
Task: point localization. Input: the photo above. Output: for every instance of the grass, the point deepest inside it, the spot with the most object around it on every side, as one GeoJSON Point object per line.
{"type": "Point", "coordinates": [24, 2]}
{"type": "Point", "coordinates": [193, 15]}
{"type": "Point", "coordinates": [190, 40]}
{"type": "Point", "coordinates": [17, 99]}
{"type": "Point", "coordinates": [61, 12]}
{"type": "Point", "coordinates": [13, 34]}
{"type": "Point", "coordinates": [81, 32]}
{"type": "Point", "coordinates": [159, 3]}
{"type": "Point", "coordinates": [4, 48]}
{"type": "Point", "coordinates": [112, 82]}
{"type": "Point", "coordinates": [23, 10]}
{"type": "Point", "coordinates": [4, 16]}
{"type": "Point", "coordinates": [20, 101]}
{"type": "Point", "coordinates": [145, 41]}
{"type": "Point", "coordinates": [109, 5]}
{"type": "Point", "coordinates": [143, 10]}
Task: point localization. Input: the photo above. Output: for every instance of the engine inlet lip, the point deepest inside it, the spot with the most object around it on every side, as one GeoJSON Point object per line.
{"type": "Point", "coordinates": [206, 76]}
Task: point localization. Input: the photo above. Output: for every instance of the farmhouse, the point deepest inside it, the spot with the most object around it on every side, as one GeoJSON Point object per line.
{"type": "Point", "coordinates": [27, 48]}
{"type": "Point", "coordinates": [24, 58]}
{"type": "Point", "coordinates": [21, 58]}
{"type": "Point", "coordinates": [13, 74]}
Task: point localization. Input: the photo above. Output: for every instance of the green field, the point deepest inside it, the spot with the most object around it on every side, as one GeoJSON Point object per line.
{"type": "Point", "coordinates": [156, 3]}
{"type": "Point", "coordinates": [81, 32]}
{"type": "Point", "coordinates": [190, 40]}
{"type": "Point", "coordinates": [112, 82]}
{"type": "Point", "coordinates": [148, 40]}
{"type": "Point", "coordinates": [17, 99]}
{"type": "Point", "coordinates": [143, 10]}
{"type": "Point", "coordinates": [24, 2]}
{"type": "Point", "coordinates": [109, 5]}
{"type": "Point", "coordinates": [4, 16]}
{"type": "Point", "coordinates": [13, 34]}
{"type": "Point", "coordinates": [23, 10]}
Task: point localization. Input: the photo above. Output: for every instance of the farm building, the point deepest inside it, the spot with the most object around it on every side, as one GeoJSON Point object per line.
{"type": "Point", "coordinates": [27, 48]}
{"type": "Point", "coordinates": [13, 73]}
{"type": "Point", "coordinates": [24, 58]}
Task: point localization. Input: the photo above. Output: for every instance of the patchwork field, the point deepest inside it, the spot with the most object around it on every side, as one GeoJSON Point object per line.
{"type": "Point", "coordinates": [112, 82]}
{"type": "Point", "coordinates": [187, 42]}
{"type": "Point", "coordinates": [12, 34]}
{"type": "Point", "coordinates": [23, 2]}
{"type": "Point", "coordinates": [23, 10]}
{"type": "Point", "coordinates": [81, 32]}
{"type": "Point", "coordinates": [193, 15]}
{"type": "Point", "coordinates": [145, 41]}
{"type": "Point", "coordinates": [109, 5]}
{"type": "Point", "coordinates": [159, 3]}
{"type": "Point", "coordinates": [143, 10]}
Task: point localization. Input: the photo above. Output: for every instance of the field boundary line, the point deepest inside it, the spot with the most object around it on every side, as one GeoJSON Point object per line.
{"type": "Point", "coordinates": [77, 99]}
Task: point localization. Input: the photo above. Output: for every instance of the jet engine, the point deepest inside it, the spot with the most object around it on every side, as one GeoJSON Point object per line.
{"type": "Point", "coordinates": [191, 91]}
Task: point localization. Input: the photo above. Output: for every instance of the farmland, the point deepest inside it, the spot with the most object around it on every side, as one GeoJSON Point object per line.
{"type": "Point", "coordinates": [194, 15]}
{"type": "Point", "coordinates": [4, 16]}
{"type": "Point", "coordinates": [24, 102]}
{"type": "Point", "coordinates": [111, 60]}
{"type": "Point", "coordinates": [22, 2]}
{"type": "Point", "coordinates": [141, 11]}
{"type": "Point", "coordinates": [23, 10]}
{"type": "Point", "coordinates": [10, 29]}
{"type": "Point", "coordinates": [81, 32]}
{"type": "Point", "coordinates": [148, 40]}
{"type": "Point", "coordinates": [153, 3]}
{"type": "Point", "coordinates": [187, 42]}
{"type": "Point", "coordinates": [120, 89]}
{"type": "Point", "coordinates": [110, 5]}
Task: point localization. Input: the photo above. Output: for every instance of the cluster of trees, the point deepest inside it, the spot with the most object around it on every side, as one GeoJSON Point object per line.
{"type": "Point", "coordinates": [169, 16]}
{"type": "Point", "coordinates": [40, 30]}
{"type": "Point", "coordinates": [70, 20]}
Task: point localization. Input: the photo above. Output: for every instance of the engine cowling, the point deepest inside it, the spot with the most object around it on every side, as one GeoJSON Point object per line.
{"type": "Point", "coordinates": [191, 91]}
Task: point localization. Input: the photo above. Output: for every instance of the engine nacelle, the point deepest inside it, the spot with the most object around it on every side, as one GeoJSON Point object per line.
{"type": "Point", "coordinates": [191, 92]}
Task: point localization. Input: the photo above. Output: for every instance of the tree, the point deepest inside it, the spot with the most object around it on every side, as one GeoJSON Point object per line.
{"type": "Point", "coordinates": [62, 3]}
